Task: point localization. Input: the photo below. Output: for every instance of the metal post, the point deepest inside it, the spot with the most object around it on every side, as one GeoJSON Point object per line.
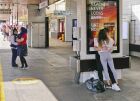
{"type": "Point", "coordinates": [12, 18]}
{"type": "Point", "coordinates": [12, 14]}
{"type": "Point", "coordinates": [17, 12]}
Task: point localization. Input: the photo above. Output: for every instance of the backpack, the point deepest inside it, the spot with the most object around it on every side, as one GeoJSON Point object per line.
{"type": "Point", "coordinates": [95, 85]}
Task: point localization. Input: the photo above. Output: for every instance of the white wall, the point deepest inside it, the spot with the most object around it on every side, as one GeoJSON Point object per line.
{"type": "Point", "coordinates": [136, 16]}
{"type": "Point", "coordinates": [125, 32]}
{"type": "Point", "coordinates": [71, 6]}
{"type": "Point", "coordinates": [33, 17]}
{"type": "Point", "coordinates": [126, 9]}
{"type": "Point", "coordinates": [130, 14]}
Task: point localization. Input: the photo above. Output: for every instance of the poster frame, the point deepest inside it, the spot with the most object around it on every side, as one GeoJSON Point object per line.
{"type": "Point", "coordinates": [118, 29]}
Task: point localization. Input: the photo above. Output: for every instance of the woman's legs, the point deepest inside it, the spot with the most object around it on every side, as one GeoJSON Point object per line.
{"type": "Point", "coordinates": [111, 76]}
{"type": "Point", "coordinates": [111, 65]}
{"type": "Point", "coordinates": [23, 62]}
{"type": "Point", "coordinates": [103, 58]}
{"type": "Point", "coordinates": [14, 56]}
{"type": "Point", "coordinates": [106, 58]}
{"type": "Point", "coordinates": [99, 67]}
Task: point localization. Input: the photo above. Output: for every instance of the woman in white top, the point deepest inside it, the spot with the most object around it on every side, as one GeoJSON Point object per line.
{"type": "Point", "coordinates": [104, 48]}
{"type": "Point", "coordinates": [13, 45]}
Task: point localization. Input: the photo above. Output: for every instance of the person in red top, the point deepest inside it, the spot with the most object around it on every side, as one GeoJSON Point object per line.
{"type": "Point", "coordinates": [22, 47]}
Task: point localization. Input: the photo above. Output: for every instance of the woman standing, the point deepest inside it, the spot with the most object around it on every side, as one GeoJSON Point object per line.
{"type": "Point", "coordinates": [22, 47]}
{"type": "Point", "coordinates": [13, 45]}
{"type": "Point", "coordinates": [104, 48]}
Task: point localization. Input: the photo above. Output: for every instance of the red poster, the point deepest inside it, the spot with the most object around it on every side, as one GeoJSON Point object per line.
{"type": "Point", "coordinates": [102, 14]}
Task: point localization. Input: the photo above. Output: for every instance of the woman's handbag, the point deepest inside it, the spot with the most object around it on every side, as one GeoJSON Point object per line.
{"type": "Point", "coordinates": [95, 85]}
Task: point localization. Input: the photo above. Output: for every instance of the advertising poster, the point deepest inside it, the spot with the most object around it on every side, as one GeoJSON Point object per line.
{"type": "Point", "coordinates": [102, 14]}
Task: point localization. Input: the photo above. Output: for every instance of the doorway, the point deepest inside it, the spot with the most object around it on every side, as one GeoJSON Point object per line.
{"type": "Point", "coordinates": [61, 30]}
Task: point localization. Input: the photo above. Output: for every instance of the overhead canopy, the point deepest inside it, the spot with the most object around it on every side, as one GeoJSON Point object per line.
{"type": "Point", "coordinates": [22, 4]}
{"type": "Point", "coordinates": [12, 4]}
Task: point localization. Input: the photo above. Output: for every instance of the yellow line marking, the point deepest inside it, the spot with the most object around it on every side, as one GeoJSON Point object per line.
{"type": "Point", "coordinates": [2, 95]}
{"type": "Point", "coordinates": [25, 80]}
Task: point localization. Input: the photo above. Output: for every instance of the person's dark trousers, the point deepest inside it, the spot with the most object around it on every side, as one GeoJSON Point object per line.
{"type": "Point", "coordinates": [100, 69]}
{"type": "Point", "coordinates": [14, 56]}
{"type": "Point", "coordinates": [23, 61]}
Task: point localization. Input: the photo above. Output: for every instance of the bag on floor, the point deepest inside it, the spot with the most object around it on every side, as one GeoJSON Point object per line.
{"type": "Point", "coordinates": [95, 85]}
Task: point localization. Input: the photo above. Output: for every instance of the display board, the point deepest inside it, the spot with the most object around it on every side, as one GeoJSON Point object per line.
{"type": "Point", "coordinates": [125, 30]}
{"type": "Point", "coordinates": [102, 14]}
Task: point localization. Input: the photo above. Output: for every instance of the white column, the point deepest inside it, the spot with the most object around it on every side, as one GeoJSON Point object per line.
{"type": "Point", "coordinates": [71, 5]}
{"type": "Point", "coordinates": [81, 15]}
{"type": "Point", "coordinates": [35, 17]}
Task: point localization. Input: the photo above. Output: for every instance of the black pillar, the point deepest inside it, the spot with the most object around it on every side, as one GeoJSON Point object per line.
{"type": "Point", "coordinates": [47, 32]}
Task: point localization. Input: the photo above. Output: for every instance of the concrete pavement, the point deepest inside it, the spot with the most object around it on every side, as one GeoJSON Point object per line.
{"type": "Point", "coordinates": [54, 80]}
